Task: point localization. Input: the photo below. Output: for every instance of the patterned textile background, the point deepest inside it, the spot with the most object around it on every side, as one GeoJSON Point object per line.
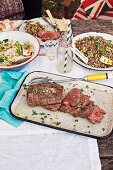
{"type": "Point", "coordinates": [11, 9]}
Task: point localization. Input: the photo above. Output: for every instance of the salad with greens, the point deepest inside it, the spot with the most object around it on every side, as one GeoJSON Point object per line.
{"type": "Point", "coordinates": [12, 52]}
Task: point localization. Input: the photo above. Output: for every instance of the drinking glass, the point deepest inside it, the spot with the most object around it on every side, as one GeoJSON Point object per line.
{"type": "Point", "coordinates": [51, 49]}
{"type": "Point", "coordinates": [64, 56]}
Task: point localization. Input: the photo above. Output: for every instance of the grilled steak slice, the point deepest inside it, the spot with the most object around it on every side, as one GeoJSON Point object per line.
{"type": "Point", "coordinates": [45, 94]}
{"type": "Point", "coordinates": [96, 115]}
{"type": "Point", "coordinates": [48, 35]}
{"type": "Point", "coordinates": [52, 107]}
{"type": "Point", "coordinates": [69, 109]}
{"type": "Point", "coordinates": [85, 112]}
{"type": "Point", "coordinates": [78, 104]}
{"type": "Point", "coordinates": [74, 102]}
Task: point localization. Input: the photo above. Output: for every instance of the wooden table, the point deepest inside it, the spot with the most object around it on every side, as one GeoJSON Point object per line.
{"type": "Point", "coordinates": [78, 27]}
{"type": "Point", "coordinates": [106, 152]}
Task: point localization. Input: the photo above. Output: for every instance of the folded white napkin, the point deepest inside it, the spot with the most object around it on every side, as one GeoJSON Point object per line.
{"type": "Point", "coordinates": [48, 151]}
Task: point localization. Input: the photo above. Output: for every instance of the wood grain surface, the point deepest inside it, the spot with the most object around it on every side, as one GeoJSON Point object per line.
{"type": "Point", "coordinates": [78, 27]}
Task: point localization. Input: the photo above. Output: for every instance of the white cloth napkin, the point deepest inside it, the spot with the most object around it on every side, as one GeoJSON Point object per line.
{"type": "Point", "coordinates": [48, 151]}
{"type": "Point", "coordinates": [35, 147]}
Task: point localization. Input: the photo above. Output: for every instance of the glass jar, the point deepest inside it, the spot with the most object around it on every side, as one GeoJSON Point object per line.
{"type": "Point", "coordinates": [64, 57]}
{"type": "Point", "coordinates": [51, 49]}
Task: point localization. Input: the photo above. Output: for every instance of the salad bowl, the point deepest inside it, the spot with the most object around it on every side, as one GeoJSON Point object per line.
{"type": "Point", "coordinates": [17, 49]}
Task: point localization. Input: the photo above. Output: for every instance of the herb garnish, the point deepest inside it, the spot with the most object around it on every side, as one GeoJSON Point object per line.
{"type": "Point", "coordinates": [42, 113]}
{"type": "Point", "coordinates": [79, 105]}
{"type": "Point", "coordinates": [43, 121]}
{"type": "Point", "coordinates": [102, 51]}
{"type": "Point", "coordinates": [57, 123]}
{"type": "Point", "coordinates": [18, 47]}
{"type": "Point", "coordinates": [1, 59]}
{"type": "Point", "coordinates": [103, 129]}
{"type": "Point", "coordinates": [5, 40]}
{"type": "Point", "coordinates": [86, 53]}
{"type": "Point", "coordinates": [34, 112]}
{"type": "Point", "coordinates": [25, 86]}
{"type": "Point", "coordinates": [87, 86]}
{"type": "Point", "coordinates": [97, 44]}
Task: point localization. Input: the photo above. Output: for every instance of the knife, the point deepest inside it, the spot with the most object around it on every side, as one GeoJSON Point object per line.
{"type": "Point", "coordinates": [46, 20]}
{"type": "Point", "coordinates": [52, 19]}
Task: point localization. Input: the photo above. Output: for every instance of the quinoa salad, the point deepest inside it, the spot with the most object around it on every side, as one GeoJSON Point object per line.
{"type": "Point", "coordinates": [95, 47]}
{"type": "Point", "coordinates": [33, 27]}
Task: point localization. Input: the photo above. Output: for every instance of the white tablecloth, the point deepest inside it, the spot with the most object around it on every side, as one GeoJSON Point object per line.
{"type": "Point", "coordinates": [35, 147]}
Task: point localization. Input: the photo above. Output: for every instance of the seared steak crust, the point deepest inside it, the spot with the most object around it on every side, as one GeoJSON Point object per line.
{"type": "Point", "coordinates": [48, 95]}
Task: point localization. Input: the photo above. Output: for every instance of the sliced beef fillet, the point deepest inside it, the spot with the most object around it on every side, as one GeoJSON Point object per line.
{"type": "Point", "coordinates": [96, 115]}
{"type": "Point", "coordinates": [52, 107]}
{"type": "Point", "coordinates": [85, 112]}
{"type": "Point", "coordinates": [48, 95]}
{"type": "Point", "coordinates": [48, 35]}
{"type": "Point", "coordinates": [78, 104]}
{"type": "Point", "coordinates": [75, 102]}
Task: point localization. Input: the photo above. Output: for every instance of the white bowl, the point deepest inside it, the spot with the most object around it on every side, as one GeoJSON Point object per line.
{"type": "Point", "coordinates": [81, 36]}
{"type": "Point", "coordinates": [22, 37]}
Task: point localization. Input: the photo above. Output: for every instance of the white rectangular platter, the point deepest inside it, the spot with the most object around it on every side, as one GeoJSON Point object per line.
{"type": "Point", "coordinates": [101, 95]}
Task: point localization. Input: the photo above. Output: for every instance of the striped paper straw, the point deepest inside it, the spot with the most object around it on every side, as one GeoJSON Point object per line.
{"type": "Point", "coordinates": [69, 34]}
{"type": "Point", "coordinates": [65, 60]}
{"type": "Point", "coordinates": [69, 40]}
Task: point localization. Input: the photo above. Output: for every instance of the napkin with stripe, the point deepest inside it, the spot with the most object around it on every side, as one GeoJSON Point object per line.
{"type": "Point", "coordinates": [11, 81]}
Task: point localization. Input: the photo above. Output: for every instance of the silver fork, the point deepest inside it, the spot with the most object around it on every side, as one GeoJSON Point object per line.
{"type": "Point", "coordinates": [46, 80]}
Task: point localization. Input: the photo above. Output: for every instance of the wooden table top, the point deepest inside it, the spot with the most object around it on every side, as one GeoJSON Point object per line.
{"type": "Point", "coordinates": [105, 26]}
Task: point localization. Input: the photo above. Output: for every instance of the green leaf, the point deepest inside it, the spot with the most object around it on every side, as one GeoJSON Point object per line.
{"type": "Point", "coordinates": [86, 53]}
{"type": "Point", "coordinates": [2, 47]}
{"type": "Point", "coordinates": [1, 59]}
{"type": "Point", "coordinates": [19, 48]}
{"type": "Point", "coordinates": [102, 51]}
{"type": "Point", "coordinates": [97, 44]}
{"type": "Point", "coordinates": [26, 46]}
{"type": "Point", "coordinates": [109, 44]}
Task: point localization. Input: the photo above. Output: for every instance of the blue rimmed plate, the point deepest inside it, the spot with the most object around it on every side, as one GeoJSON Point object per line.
{"type": "Point", "coordinates": [81, 36]}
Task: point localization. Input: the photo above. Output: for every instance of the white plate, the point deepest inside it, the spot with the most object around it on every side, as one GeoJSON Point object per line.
{"type": "Point", "coordinates": [81, 36]}
{"type": "Point", "coordinates": [9, 25]}
{"type": "Point", "coordinates": [42, 22]}
{"type": "Point", "coordinates": [21, 37]}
